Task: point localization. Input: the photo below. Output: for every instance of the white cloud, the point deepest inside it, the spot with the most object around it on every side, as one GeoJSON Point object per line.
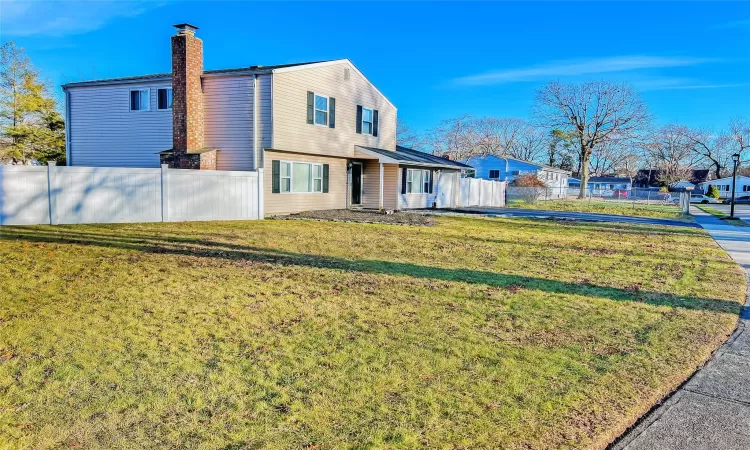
{"type": "Point", "coordinates": [59, 18]}
{"type": "Point", "coordinates": [579, 67]}
{"type": "Point", "coordinates": [645, 84]}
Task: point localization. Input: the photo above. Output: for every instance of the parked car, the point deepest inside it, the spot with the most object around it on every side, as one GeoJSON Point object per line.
{"type": "Point", "coordinates": [620, 193]}
{"type": "Point", "coordinates": [698, 198]}
{"type": "Point", "coordinates": [744, 200]}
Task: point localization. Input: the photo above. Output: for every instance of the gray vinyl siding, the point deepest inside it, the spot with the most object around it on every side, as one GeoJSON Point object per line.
{"type": "Point", "coordinates": [105, 133]}
{"type": "Point", "coordinates": [290, 127]}
{"type": "Point", "coordinates": [265, 124]}
{"type": "Point", "coordinates": [228, 120]}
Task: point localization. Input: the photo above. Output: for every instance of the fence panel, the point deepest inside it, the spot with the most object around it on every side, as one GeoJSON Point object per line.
{"type": "Point", "coordinates": [71, 195]}
{"type": "Point", "coordinates": [478, 192]}
{"type": "Point", "coordinates": [24, 195]}
{"type": "Point", "coordinates": [212, 195]}
{"type": "Point", "coordinates": [107, 195]}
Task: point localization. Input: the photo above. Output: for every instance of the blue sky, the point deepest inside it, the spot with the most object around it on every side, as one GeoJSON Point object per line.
{"type": "Point", "coordinates": [691, 61]}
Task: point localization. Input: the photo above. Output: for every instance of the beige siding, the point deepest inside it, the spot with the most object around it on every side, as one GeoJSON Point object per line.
{"type": "Point", "coordinates": [371, 185]}
{"type": "Point", "coordinates": [291, 131]}
{"type": "Point", "coordinates": [335, 198]}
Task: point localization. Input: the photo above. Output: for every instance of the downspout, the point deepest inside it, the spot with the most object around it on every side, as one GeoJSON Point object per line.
{"type": "Point", "coordinates": [68, 161]}
{"type": "Point", "coordinates": [256, 159]}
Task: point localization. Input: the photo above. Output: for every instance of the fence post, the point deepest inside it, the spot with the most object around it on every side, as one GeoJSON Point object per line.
{"type": "Point", "coordinates": [164, 193]}
{"type": "Point", "coordinates": [52, 191]}
{"type": "Point", "coordinates": [260, 208]}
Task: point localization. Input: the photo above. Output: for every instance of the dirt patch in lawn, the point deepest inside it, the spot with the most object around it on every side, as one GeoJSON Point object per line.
{"type": "Point", "coordinates": [347, 215]}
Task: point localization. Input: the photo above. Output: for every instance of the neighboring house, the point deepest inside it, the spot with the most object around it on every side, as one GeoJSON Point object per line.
{"type": "Point", "coordinates": [323, 133]}
{"type": "Point", "coordinates": [724, 185]}
{"type": "Point", "coordinates": [602, 183]}
{"type": "Point", "coordinates": [646, 178]}
{"type": "Point", "coordinates": [491, 167]}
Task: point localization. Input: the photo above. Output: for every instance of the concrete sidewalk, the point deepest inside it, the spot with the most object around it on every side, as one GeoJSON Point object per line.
{"type": "Point", "coordinates": [712, 410]}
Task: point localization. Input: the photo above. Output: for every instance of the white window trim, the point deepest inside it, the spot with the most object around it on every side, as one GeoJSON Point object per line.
{"type": "Point", "coordinates": [157, 99]}
{"type": "Point", "coordinates": [291, 177]}
{"type": "Point", "coordinates": [328, 110]}
{"type": "Point", "coordinates": [130, 99]}
{"type": "Point", "coordinates": [372, 123]}
{"type": "Point", "coordinates": [410, 179]}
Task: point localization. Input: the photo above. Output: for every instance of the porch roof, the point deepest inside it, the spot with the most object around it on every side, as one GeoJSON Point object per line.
{"type": "Point", "coordinates": [407, 157]}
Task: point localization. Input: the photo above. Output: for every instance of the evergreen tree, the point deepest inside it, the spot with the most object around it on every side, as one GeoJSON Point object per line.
{"type": "Point", "coordinates": [713, 191]}
{"type": "Point", "coordinates": [31, 128]}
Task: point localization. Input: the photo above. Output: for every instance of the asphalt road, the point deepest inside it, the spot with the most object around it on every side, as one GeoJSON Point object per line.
{"type": "Point", "coordinates": [589, 217]}
{"type": "Point", "coordinates": [741, 211]}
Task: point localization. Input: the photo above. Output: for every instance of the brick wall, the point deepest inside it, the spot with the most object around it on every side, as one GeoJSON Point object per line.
{"type": "Point", "coordinates": [187, 103]}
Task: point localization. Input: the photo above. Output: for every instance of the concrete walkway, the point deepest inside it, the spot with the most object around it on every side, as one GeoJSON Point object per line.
{"type": "Point", "coordinates": [712, 410]}
{"type": "Point", "coordinates": [544, 214]}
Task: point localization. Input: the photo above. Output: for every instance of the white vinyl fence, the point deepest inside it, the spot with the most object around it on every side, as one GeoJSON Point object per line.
{"type": "Point", "coordinates": [479, 192]}
{"type": "Point", "coordinates": [68, 195]}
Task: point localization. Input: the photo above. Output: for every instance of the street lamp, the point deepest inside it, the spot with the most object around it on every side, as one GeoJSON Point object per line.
{"type": "Point", "coordinates": [735, 160]}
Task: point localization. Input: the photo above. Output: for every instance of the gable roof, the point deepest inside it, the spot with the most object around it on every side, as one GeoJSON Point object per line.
{"type": "Point", "coordinates": [411, 157]}
{"type": "Point", "coordinates": [531, 163]}
{"type": "Point", "coordinates": [168, 75]}
{"type": "Point", "coordinates": [722, 180]}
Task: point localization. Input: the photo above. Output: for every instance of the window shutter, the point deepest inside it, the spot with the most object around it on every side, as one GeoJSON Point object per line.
{"type": "Point", "coordinates": [331, 112]}
{"type": "Point", "coordinates": [403, 180]}
{"type": "Point", "coordinates": [275, 176]}
{"type": "Point", "coordinates": [310, 110]}
{"type": "Point", "coordinates": [325, 178]}
{"type": "Point", "coordinates": [432, 179]}
{"type": "Point", "coordinates": [375, 123]}
{"type": "Point", "coordinates": [359, 119]}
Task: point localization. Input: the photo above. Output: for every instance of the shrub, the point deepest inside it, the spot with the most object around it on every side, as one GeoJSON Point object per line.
{"type": "Point", "coordinates": [528, 187]}
{"type": "Point", "coordinates": [713, 191]}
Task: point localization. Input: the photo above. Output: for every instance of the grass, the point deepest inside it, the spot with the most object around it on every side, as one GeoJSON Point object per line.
{"type": "Point", "coordinates": [723, 216]}
{"type": "Point", "coordinates": [473, 333]}
{"type": "Point", "coordinates": [623, 208]}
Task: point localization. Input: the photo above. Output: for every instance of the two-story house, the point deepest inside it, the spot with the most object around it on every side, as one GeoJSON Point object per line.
{"type": "Point", "coordinates": [323, 133]}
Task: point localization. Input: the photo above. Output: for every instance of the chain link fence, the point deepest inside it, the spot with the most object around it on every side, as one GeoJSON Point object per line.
{"type": "Point", "coordinates": [531, 195]}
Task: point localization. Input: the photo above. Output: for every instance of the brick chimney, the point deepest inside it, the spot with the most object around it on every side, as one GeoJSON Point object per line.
{"type": "Point", "coordinates": [187, 94]}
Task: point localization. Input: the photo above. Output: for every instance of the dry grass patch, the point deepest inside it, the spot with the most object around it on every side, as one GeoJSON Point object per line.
{"type": "Point", "coordinates": [287, 334]}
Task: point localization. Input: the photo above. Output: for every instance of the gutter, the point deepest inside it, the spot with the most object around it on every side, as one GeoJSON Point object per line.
{"type": "Point", "coordinates": [68, 160]}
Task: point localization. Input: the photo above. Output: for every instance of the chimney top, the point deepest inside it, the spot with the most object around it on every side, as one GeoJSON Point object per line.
{"type": "Point", "coordinates": [185, 28]}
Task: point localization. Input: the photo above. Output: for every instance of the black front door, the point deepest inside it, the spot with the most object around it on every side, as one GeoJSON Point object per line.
{"type": "Point", "coordinates": [356, 184]}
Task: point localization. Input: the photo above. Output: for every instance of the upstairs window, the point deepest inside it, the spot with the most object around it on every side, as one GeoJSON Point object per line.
{"type": "Point", "coordinates": [494, 174]}
{"type": "Point", "coordinates": [139, 100]}
{"type": "Point", "coordinates": [366, 121]}
{"type": "Point", "coordinates": [321, 110]}
{"type": "Point", "coordinates": [164, 98]}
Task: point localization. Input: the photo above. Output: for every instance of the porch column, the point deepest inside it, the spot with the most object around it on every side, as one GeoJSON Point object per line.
{"type": "Point", "coordinates": [380, 198]}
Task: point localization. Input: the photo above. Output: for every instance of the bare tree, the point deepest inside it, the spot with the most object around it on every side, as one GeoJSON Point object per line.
{"type": "Point", "coordinates": [407, 137]}
{"type": "Point", "coordinates": [738, 135]}
{"type": "Point", "coordinates": [530, 144]}
{"type": "Point", "coordinates": [595, 112]}
{"type": "Point", "coordinates": [710, 148]}
{"type": "Point", "coordinates": [672, 152]}
{"type": "Point", "coordinates": [453, 137]}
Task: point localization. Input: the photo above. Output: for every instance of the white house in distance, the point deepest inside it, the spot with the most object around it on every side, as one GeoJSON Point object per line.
{"type": "Point", "coordinates": [597, 184]}
{"type": "Point", "coordinates": [725, 186]}
{"type": "Point", "coordinates": [491, 167]}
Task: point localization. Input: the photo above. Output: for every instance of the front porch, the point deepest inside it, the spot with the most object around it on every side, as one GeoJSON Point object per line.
{"type": "Point", "coordinates": [372, 182]}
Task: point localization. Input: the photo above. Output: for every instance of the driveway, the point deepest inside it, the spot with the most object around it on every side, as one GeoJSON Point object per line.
{"type": "Point", "coordinates": [589, 217]}
{"type": "Point", "coordinates": [712, 409]}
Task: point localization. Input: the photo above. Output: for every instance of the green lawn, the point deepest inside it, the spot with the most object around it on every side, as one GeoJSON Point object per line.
{"type": "Point", "coordinates": [624, 208]}
{"type": "Point", "coordinates": [716, 213]}
{"type": "Point", "coordinates": [499, 333]}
